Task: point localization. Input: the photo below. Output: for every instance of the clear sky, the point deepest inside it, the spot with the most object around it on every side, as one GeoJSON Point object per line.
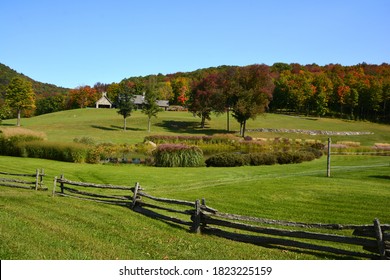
{"type": "Point", "coordinates": [80, 42]}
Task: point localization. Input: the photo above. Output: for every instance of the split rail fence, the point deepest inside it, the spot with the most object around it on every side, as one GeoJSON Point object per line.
{"type": "Point", "coordinates": [360, 241]}
{"type": "Point", "coordinates": [15, 180]}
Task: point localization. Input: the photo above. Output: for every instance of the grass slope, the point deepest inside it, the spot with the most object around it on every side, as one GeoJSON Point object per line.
{"type": "Point", "coordinates": [36, 226]}
{"type": "Point", "coordinates": [105, 125]}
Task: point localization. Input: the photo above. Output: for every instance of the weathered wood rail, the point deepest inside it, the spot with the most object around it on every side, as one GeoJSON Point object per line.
{"type": "Point", "coordinates": [14, 180]}
{"type": "Point", "coordinates": [64, 190]}
{"type": "Point", "coordinates": [358, 241]}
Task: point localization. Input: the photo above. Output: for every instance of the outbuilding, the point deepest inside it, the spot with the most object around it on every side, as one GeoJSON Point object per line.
{"type": "Point", "coordinates": [104, 102]}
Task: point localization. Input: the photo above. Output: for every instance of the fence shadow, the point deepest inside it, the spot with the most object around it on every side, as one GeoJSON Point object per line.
{"type": "Point", "coordinates": [321, 240]}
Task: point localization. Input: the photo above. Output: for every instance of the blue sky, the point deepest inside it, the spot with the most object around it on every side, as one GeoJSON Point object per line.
{"type": "Point", "coordinates": [72, 43]}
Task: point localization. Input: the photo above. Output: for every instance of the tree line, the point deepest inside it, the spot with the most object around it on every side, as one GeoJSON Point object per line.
{"type": "Point", "coordinates": [358, 92]}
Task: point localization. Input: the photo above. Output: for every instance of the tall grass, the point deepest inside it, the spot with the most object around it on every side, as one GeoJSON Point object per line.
{"type": "Point", "coordinates": [178, 155]}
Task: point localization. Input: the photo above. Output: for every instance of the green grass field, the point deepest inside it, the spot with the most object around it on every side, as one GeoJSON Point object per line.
{"type": "Point", "coordinates": [35, 225]}
{"type": "Point", "coordinates": [105, 125]}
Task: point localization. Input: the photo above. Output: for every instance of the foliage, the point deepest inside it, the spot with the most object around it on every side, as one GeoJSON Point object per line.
{"type": "Point", "coordinates": [255, 159]}
{"type": "Point", "coordinates": [178, 155]}
{"type": "Point", "coordinates": [68, 152]}
{"type": "Point", "coordinates": [20, 96]}
{"type": "Point", "coordinates": [150, 107]}
{"type": "Point", "coordinates": [12, 138]}
{"type": "Point", "coordinates": [125, 102]}
{"type": "Point", "coordinates": [205, 97]}
{"type": "Point", "coordinates": [82, 97]}
{"type": "Point", "coordinates": [249, 91]}
{"type": "Point", "coordinates": [50, 104]}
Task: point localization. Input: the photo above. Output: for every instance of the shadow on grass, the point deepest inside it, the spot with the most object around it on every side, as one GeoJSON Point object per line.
{"type": "Point", "coordinates": [385, 177]}
{"type": "Point", "coordinates": [191, 127]}
{"type": "Point", "coordinates": [116, 128]}
{"type": "Point", "coordinates": [299, 247]}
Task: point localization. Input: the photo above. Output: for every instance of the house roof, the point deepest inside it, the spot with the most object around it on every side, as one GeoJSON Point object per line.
{"type": "Point", "coordinates": [104, 100]}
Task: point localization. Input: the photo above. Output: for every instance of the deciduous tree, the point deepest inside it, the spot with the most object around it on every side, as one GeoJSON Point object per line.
{"type": "Point", "coordinates": [20, 96]}
{"type": "Point", "coordinates": [125, 102]}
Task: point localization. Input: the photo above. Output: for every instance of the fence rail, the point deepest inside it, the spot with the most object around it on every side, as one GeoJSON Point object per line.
{"type": "Point", "coordinates": [12, 180]}
{"type": "Point", "coordinates": [360, 241]}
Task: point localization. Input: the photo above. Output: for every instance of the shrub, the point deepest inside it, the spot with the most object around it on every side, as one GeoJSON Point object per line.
{"type": "Point", "coordinates": [178, 155]}
{"type": "Point", "coordinates": [69, 152]}
{"type": "Point", "coordinates": [12, 138]}
{"type": "Point", "coordinates": [262, 159]}
{"type": "Point", "coordinates": [256, 159]}
{"type": "Point", "coordinates": [228, 160]}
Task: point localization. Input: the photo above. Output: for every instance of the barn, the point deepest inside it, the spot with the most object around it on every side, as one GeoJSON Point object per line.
{"type": "Point", "coordinates": [104, 102]}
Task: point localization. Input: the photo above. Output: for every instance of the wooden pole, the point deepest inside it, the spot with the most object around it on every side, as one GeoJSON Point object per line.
{"type": "Point", "coordinates": [135, 195]}
{"type": "Point", "coordinates": [54, 186]}
{"type": "Point", "coordinates": [328, 158]}
{"type": "Point", "coordinates": [196, 221]}
{"type": "Point", "coordinates": [379, 238]}
{"type": "Point", "coordinates": [36, 179]}
{"type": "Point", "coordinates": [62, 183]}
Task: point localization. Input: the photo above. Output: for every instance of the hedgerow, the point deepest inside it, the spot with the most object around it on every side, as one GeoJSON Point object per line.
{"type": "Point", "coordinates": [256, 159]}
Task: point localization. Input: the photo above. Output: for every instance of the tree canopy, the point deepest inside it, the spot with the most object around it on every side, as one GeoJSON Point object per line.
{"type": "Point", "coordinates": [20, 96]}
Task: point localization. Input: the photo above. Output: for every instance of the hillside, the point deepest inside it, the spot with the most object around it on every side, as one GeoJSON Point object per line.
{"type": "Point", "coordinates": [105, 125]}
{"type": "Point", "coordinates": [41, 89]}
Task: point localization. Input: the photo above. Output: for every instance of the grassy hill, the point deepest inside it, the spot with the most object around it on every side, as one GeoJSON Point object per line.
{"type": "Point", "coordinates": [105, 125]}
{"type": "Point", "coordinates": [36, 226]}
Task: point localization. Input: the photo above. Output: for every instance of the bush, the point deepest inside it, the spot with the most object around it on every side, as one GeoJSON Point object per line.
{"type": "Point", "coordinates": [69, 152]}
{"type": "Point", "coordinates": [12, 138]}
{"type": "Point", "coordinates": [262, 159]}
{"type": "Point", "coordinates": [256, 159]}
{"type": "Point", "coordinates": [178, 155]}
{"type": "Point", "coordinates": [228, 160]}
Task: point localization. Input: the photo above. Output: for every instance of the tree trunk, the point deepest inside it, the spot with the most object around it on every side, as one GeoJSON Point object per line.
{"type": "Point", "coordinates": [124, 123]}
{"type": "Point", "coordinates": [203, 121]}
{"type": "Point", "coordinates": [243, 128]}
{"type": "Point", "coordinates": [18, 120]}
{"type": "Point", "coordinates": [149, 124]}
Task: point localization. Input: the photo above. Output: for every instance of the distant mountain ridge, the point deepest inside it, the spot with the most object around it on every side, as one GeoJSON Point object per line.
{"type": "Point", "coordinates": [40, 89]}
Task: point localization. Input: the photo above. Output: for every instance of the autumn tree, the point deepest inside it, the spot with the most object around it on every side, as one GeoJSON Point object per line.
{"type": "Point", "coordinates": [83, 96]}
{"type": "Point", "coordinates": [20, 96]}
{"type": "Point", "coordinates": [205, 97]}
{"type": "Point", "coordinates": [180, 88]}
{"type": "Point", "coordinates": [251, 93]}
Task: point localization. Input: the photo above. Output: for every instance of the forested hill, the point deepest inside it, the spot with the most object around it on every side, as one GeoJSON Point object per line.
{"type": "Point", "coordinates": [357, 92]}
{"type": "Point", "coordinates": [41, 89]}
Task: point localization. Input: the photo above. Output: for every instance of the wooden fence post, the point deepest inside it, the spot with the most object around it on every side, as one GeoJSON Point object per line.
{"type": "Point", "coordinates": [36, 179]}
{"type": "Point", "coordinates": [62, 184]}
{"type": "Point", "coordinates": [42, 173]}
{"type": "Point", "coordinates": [328, 158]}
{"type": "Point", "coordinates": [136, 188]}
{"type": "Point", "coordinates": [196, 218]}
{"type": "Point", "coordinates": [54, 186]}
{"type": "Point", "coordinates": [379, 238]}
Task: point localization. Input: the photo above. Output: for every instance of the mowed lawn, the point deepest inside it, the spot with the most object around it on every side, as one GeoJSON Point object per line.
{"type": "Point", "coordinates": [105, 125]}
{"type": "Point", "coordinates": [35, 225]}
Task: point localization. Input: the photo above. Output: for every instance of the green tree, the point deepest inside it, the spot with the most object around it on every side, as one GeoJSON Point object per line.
{"type": "Point", "coordinates": [125, 102]}
{"type": "Point", "coordinates": [20, 96]}
{"type": "Point", "coordinates": [50, 104]}
{"type": "Point", "coordinates": [150, 107]}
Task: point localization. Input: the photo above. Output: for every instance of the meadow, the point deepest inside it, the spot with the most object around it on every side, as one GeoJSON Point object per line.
{"type": "Point", "coordinates": [37, 226]}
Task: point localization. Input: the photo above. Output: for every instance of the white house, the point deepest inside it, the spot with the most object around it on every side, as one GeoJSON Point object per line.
{"type": "Point", "coordinates": [104, 102]}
